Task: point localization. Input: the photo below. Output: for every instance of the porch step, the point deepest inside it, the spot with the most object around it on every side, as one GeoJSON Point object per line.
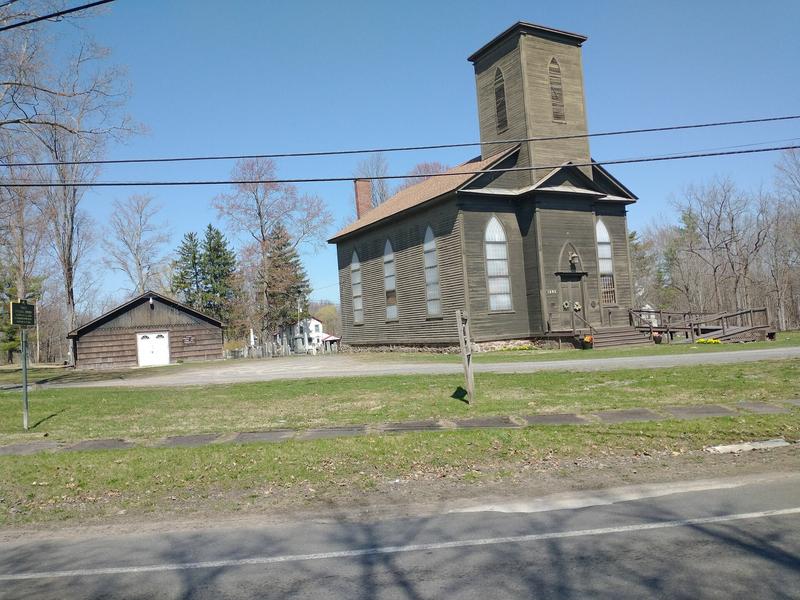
{"type": "Point", "coordinates": [617, 337]}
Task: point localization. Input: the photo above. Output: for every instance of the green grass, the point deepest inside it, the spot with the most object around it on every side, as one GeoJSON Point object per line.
{"type": "Point", "coordinates": [87, 486]}
{"type": "Point", "coordinates": [146, 414]}
{"type": "Point", "coordinates": [783, 339]}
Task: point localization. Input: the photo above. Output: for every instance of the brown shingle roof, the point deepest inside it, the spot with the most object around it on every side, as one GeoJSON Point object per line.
{"type": "Point", "coordinates": [426, 190]}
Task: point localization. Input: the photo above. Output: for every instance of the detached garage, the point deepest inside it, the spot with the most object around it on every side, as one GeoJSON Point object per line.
{"type": "Point", "coordinates": [149, 330]}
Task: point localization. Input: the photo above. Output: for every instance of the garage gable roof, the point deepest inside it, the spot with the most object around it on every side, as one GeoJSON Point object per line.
{"type": "Point", "coordinates": [115, 312]}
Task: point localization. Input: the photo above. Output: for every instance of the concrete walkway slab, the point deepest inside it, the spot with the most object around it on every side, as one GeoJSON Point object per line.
{"type": "Point", "coordinates": [627, 415]}
{"type": "Point", "coordinates": [332, 432]}
{"type": "Point", "coordinates": [276, 435]}
{"type": "Point", "coordinates": [762, 408]}
{"type": "Point", "coordinates": [556, 419]}
{"type": "Point", "coordinates": [699, 411]}
{"type": "Point", "coordinates": [484, 422]}
{"type": "Point", "coordinates": [410, 426]}
{"type": "Point", "coordinates": [26, 448]}
{"type": "Point", "coordinates": [189, 441]}
{"type": "Point", "coordinates": [115, 444]}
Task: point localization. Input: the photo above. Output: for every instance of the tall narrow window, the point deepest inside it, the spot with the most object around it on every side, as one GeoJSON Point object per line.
{"type": "Point", "coordinates": [556, 91]}
{"type": "Point", "coordinates": [390, 282]}
{"type": "Point", "coordinates": [432, 292]}
{"type": "Point", "coordinates": [497, 266]}
{"type": "Point", "coordinates": [605, 264]}
{"type": "Point", "coordinates": [355, 284]}
{"type": "Point", "coordinates": [500, 101]}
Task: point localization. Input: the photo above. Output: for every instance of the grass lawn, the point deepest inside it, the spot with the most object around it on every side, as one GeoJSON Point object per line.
{"type": "Point", "coordinates": [783, 339]}
{"type": "Point", "coordinates": [143, 414]}
{"type": "Point", "coordinates": [219, 479]}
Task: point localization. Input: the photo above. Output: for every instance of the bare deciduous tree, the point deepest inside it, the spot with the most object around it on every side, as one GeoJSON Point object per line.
{"type": "Point", "coordinates": [135, 241]}
{"type": "Point", "coordinates": [375, 166]}
{"type": "Point", "coordinates": [422, 169]}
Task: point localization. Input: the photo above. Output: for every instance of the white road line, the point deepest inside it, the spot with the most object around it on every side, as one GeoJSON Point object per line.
{"type": "Point", "coordinates": [518, 539]}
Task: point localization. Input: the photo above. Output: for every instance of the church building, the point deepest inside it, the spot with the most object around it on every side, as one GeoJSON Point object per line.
{"type": "Point", "coordinates": [530, 238]}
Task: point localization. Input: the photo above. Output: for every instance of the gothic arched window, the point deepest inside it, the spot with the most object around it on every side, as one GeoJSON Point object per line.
{"type": "Point", "coordinates": [500, 101]}
{"type": "Point", "coordinates": [605, 264]}
{"type": "Point", "coordinates": [556, 91]}
{"type": "Point", "coordinates": [355, 286]}
{"type": "Point", "coordinates": [390, 282]}
{"type": "Point", "coordinates": [432, 291]}
{"type": "Point", "coordinates": [498, 281]}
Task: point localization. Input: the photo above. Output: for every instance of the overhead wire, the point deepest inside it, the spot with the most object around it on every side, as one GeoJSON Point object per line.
{"type": "Point", "coordinates": [621, 161]}
{"type": "Point", "coordinates": [53, 15]}
{"type": "Point", "coordinates": [390, 149]}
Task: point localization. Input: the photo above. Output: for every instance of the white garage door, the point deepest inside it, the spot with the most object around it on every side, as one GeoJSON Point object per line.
{"type": "Point", "coordinates": [153, 348]}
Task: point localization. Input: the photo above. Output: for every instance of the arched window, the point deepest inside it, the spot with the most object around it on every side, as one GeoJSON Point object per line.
{"type": "Point", "coordinates": [500, 101]}
{"type": "Point", "coordinates": [432, 292]}
{"type": "Point", "coordinates": [355, 284]}
{"type": "Point", "coordinates": [390, 282]}
{"type": "Point", "coordinates": [556, 91]}
{"type": "Point", "coordinates": [605, 264]}
{"type": "Point", "coordinates": [497, 278]}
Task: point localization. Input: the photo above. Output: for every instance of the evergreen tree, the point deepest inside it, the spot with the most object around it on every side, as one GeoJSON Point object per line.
{"type": "Point", "coordinates": [217, 266]}
{"type": "Point", "coordinates": [9, 335]}
{"type": "Point", "coordinates": [285, 282]}
{"type": "Point", "coordinates": [188, 281]}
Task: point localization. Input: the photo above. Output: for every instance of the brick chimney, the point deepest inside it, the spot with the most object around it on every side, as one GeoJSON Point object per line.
{"type": "Point", "coordinates": [363, 196]}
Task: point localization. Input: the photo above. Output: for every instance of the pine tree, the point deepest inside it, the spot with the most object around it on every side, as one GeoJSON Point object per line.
{"type": "Point", "coordinates": [188, 281]}
{"type": "Point", "coordinates": [285, 282]}
{"type": "Point", "coordinates": [218, 266]}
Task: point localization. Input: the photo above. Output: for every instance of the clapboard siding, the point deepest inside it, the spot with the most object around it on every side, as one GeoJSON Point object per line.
{"type": "Point", "coordinates": [485, 324]}
{"type": "Point", "coordinates": [414, 325]}
{"type": "Point", "coordinates": [111, 341]}
{"type": "Point", "coordinates": [536, 53]}
{"type": "Point", "coordinates": [507, 58]}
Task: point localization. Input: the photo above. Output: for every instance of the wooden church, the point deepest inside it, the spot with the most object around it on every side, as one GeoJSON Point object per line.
{"type": "Point", "coordinates": [535, 247]}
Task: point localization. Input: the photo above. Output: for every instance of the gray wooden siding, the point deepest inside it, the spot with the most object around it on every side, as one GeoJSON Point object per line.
{"type": "Point", "coordinates": [161, 315]}
{"type": "Point", "coordinates": [537, 53]}
{"type": "Point", "coordinates": [486, 325]}
{"type": "Point", "coordinates": [116, 347]}
{"type": "Point", "coordinates": [506, 57]}
{"type": "Point", "coordinates": [615, 220]}
{"type": "Point", "coordinates": [413, 326]}
{"type": "Point", "coordinates": [565, 221]}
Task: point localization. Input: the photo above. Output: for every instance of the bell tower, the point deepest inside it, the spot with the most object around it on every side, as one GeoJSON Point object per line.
{"type": "Point", "coordinates": [529, 82]}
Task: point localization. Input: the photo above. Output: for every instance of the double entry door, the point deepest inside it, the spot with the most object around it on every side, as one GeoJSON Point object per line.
{"type": "Point", "coordinates": [573, 300]}
{"type": "Point", "coordinates": [152, 349]}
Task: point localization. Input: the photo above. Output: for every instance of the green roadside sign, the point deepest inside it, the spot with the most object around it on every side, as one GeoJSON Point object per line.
{"type": "Point", "coordinates": [23, 314]}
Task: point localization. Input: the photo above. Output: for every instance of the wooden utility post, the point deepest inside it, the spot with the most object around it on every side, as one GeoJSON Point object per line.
{"type": "Point", "coordinates": [23, 315]}
{"type": "Point", "coordinates": [465, 340]}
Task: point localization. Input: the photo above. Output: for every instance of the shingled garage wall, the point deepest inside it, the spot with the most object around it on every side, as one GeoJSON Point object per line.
{"type": "Point", "coordinates": [111, 340]}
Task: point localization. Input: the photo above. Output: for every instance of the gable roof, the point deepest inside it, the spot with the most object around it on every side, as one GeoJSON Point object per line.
{"type": "Point", "coordinates": [425, 191]}
{"type": "Point", "coordinates": [115, 312]}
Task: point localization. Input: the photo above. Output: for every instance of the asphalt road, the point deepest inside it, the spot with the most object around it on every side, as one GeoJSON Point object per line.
{"type": "Point", "coordinates": [713, 539]}
{"type": "Point", "coordinates": [349, 366]}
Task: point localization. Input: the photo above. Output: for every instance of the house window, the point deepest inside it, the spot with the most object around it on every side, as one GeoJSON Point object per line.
{"type": "Point", "coordinates": [355, 284]}
{"type": "Point", "coordinates": [316, 327]}
{"type": "Point", "coordinates": [390, 282]}
{"type": "Point", "coordinates": [556, 91]}
{"type": "Point", "coordinates": [500, 101]}
{"type": "Point", "coordinates": [498, 282]}
{"type": "Point", "coordinates": [605, 264]}
{"type": "Point", "coordinates": [432, 291]}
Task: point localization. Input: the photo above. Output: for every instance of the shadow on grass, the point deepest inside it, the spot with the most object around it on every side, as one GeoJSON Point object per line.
{"type": "Point", "coordinates": [460, 394]}
{"type": "Point", "coordinates": [47, 418]}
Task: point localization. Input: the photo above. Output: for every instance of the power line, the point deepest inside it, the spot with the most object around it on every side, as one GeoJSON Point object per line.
{"type": "Point", "coordinates": [59, 13]}
{"type": "Point", "coordinates": [620, 161]}
{"type": "Point", "coordinates": [400, 148]}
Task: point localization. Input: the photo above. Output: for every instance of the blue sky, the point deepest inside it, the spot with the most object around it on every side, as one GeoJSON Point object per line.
{"type": "Point", "coordinates": [240, 77]}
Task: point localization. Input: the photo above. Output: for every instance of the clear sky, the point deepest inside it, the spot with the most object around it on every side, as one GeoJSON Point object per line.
{"type": "Point", "coordinates": [246, 76]}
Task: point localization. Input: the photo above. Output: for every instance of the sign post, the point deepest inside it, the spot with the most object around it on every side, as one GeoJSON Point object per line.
{"type": "Point", "coordinates": [464, 339]}
{"type": "Point", "coordinates": [23, 315]}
